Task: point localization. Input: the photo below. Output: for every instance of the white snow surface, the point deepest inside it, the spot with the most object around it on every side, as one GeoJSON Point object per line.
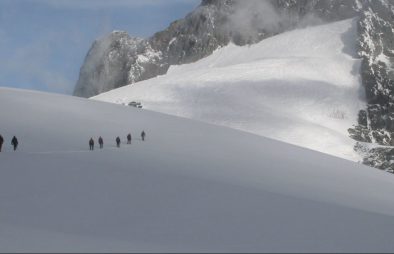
{"type": "Point", "coordinates": [190, 186]}
{"type": "Point", "coordinates": [302, 87]}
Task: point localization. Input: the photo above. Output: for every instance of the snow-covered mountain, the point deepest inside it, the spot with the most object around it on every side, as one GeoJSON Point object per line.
{"type": "Point", "coordinates": [118, 59]}
{"type": "Point", "coordinates": [190, 187]}
{"type": "Point", "coordinates": [213, 24]}
{"type": "Point", "coordinates": [301, 87]}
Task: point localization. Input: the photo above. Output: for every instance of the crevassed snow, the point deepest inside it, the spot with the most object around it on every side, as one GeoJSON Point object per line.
{"type": "Point", "coordinates": [301, 87]}
{"type": "Point", "coordinates": [190, 187]}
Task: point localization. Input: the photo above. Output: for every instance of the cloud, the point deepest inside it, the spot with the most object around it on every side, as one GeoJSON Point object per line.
{"type": "Point", "coordinates": [252, 20]}
{"type": "Point", "coordinates": [254, 15]}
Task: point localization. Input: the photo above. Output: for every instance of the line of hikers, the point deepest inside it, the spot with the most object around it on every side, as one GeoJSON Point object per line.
{"type": "Point", "coordinates": [117, 140]}
{"type": "Point", "coordinates": [14, 142]}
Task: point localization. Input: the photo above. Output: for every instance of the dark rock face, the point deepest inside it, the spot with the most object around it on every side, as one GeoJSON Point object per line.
{"type": "Point", "coordinates": [376, 47]}
{"type": "Point", "coordinates": [378, 157]}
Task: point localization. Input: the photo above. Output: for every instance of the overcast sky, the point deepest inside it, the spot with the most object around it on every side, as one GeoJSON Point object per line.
{"type": "Point", "coordinates": [43, 42]}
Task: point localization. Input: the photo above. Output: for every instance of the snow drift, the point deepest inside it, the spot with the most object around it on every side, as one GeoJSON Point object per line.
{"type": "Point", "coordinates": [302, 87]}
{"type": "Point", "coordinates": [190, 187]}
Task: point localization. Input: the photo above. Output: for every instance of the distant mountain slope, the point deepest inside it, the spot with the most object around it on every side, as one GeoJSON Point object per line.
{"type": "Point", "coordinates": [301, 87]}
{"type": "Point", "coordinates": [189, 187]}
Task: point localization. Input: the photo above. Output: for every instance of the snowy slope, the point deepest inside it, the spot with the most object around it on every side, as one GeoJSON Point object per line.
{"type": "Point", "coordinates": [301, 87]}
{"type": "Point", "coordinates": [190, 187]}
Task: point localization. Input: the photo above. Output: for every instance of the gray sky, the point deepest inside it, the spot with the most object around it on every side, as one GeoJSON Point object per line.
{"type": "Point", "coordinates": [44, 42]}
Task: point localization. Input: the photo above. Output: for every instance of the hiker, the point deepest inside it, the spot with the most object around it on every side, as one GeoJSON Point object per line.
{"type": "Point", "coordinates": [1, 142]}
{"type": "Point", "coordinates": [14, 142]}
{"type": "Point", "coordinates": [101, 142]}
{"type": "Point", "coordinates": [129, 139]}
{"type": "Point", "coordinates": [91, 144]}
{"type": "Point", "coordinates": [118, 142]}
{"type": "Point", "coordinates": [143, 135]}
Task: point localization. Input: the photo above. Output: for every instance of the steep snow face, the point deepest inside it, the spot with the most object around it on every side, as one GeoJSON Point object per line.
{"type": "Point", "coordinates": [301, 87]}
{"type": "Point", "coordinates": [189, 187]}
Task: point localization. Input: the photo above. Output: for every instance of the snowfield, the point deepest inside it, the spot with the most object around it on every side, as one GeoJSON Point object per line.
{"type": "Point", "coordinates": [190, 187]}
{"type": "Point", "coordinates": [302, 87]}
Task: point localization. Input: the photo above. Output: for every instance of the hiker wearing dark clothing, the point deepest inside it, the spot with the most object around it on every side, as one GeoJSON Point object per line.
{"type": "Point", "coordinates": [101, 142]}
{"type": "Point", "coordinates": [118, 142]}
{"type": "Point", "coordinates": [14, 142]}
{"type": "Point", "coordinates": [129, 139]}
{"type": "Point", "coordinates": [1, 142]}
{"type": "Point", "coordinates": [91, 144]}
{"type": "Point", "coordinates": [143, 135]}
